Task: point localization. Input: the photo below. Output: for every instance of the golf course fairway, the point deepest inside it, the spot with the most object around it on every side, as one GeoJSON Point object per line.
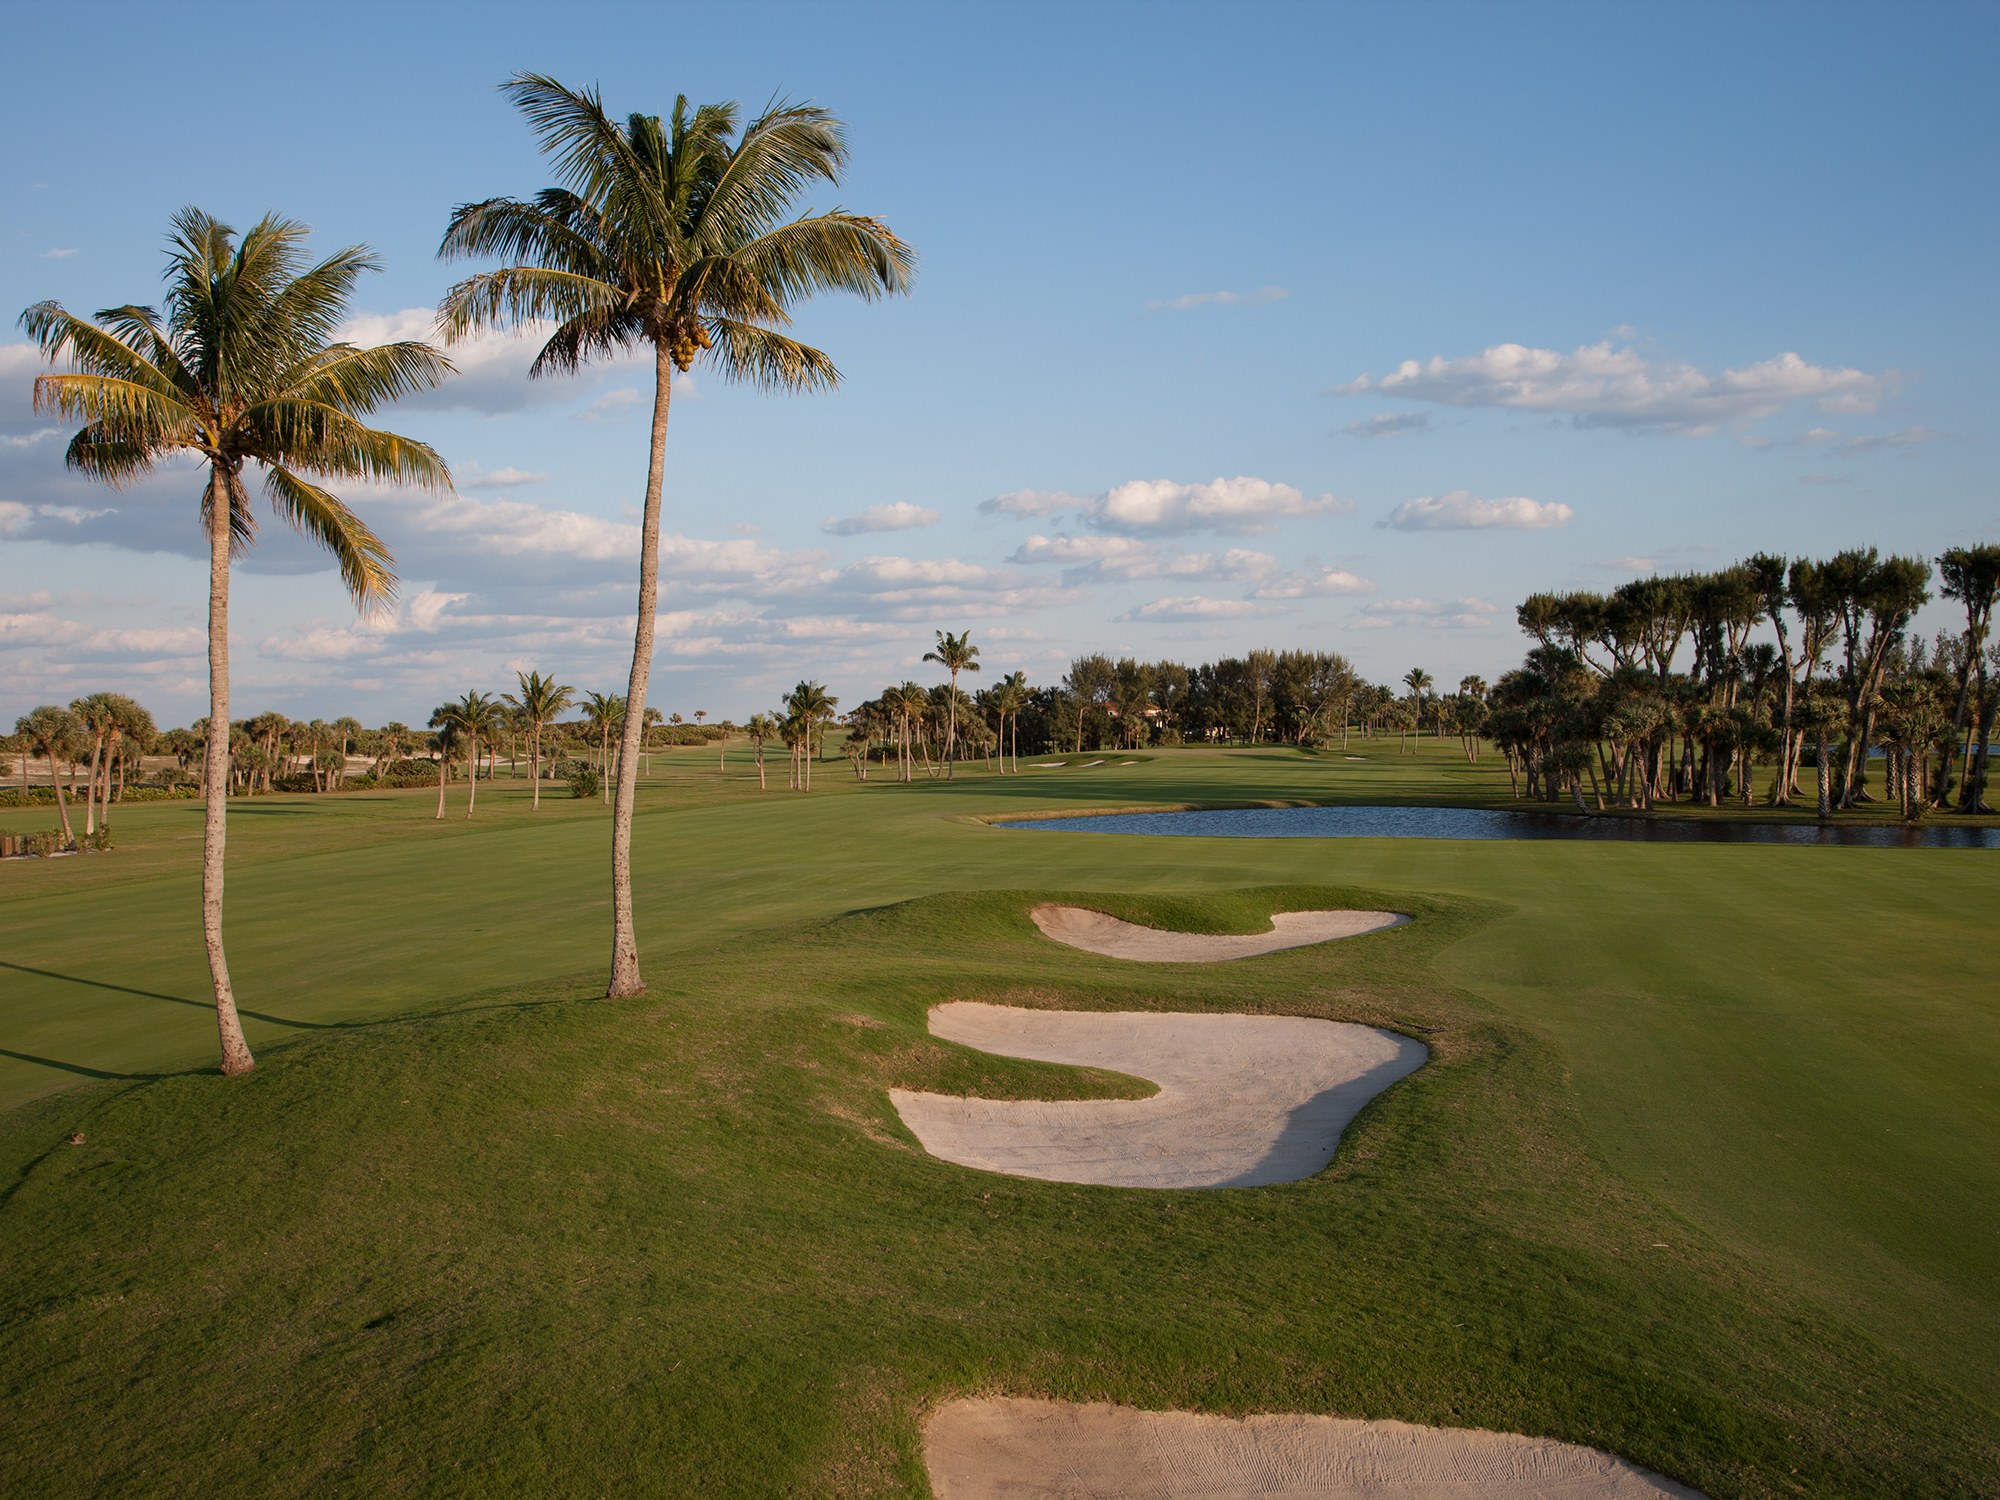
{"type": "Point", "coordinates": [1700, 1171]}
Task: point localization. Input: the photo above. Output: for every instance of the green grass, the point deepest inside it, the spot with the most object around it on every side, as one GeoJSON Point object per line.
{"type": "Point", "coordinates": [1702, 1170]}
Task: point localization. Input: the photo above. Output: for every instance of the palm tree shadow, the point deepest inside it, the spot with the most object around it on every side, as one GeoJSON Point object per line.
{"type": "Point", "coordinates": [121, 989]}
{"type": "Point", "coordinates": [79, 1069]}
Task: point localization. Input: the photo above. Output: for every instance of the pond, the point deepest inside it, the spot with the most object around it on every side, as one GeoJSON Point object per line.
{"type": "Point", "coordinates": [1485, 823]}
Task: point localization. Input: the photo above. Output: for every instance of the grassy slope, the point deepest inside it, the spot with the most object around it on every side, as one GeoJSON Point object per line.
{"type": "Point", "coordinates": [1773, 1062]}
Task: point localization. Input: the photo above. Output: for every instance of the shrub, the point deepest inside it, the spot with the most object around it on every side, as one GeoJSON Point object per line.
{"type": "Point", "coordinates": [32, 796]}
{"type": "Point", "coordinates": [408, 773]}
{"type": "Point", "coordinates": [179, 792]}
{"type": "Point", "coordinates": [583, 779]}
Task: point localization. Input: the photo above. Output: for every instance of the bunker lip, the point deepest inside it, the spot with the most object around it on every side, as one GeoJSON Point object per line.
{"type": "Point", "coordinates": [991, 1447]}
{"type": "Point", "coordinates": [1097, 932]}
{"type": "Point", "coordinates": [1243, 1101]}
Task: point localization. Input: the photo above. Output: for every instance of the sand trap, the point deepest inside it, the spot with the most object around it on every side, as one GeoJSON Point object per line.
{"type": "Point", "coordinates": [1243, 1100]}
{"type": "Point", "coordinates": [990, 1448]}
{"type": "Point", "coordinates": [1094, 932]}
{"type": "Point", "coordinates": [1089, 763]}
{"type": "Point", "coordinates": [1043, 765]}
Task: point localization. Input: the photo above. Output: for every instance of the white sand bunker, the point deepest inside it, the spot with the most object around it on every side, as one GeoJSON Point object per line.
{"type": "Point", "coordinates": [1243, 1100]}
{"type": "Point", "coordinates": [987, 1449]}
{"type": "Point", "coordinates": [1094, 932]}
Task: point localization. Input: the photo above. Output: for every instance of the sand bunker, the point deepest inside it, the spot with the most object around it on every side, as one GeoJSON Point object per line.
{"type": "Point", "coordinates": [1094, 932]}
{"type": "Point", "coordinates": [990, 1448]}
{"type": "Point", "coordinates": [1243, 1100]}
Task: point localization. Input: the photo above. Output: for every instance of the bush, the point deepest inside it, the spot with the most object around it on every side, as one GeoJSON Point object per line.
{"type": "Point", "coordinates": [39, 844]}
{"type": "Point", "coordinates": [182, 791]}
{"type": "Point", "coordinates": [583, 779]}
{"type": "Point", "coordinates": [408, 773]}
{"type": "Point", "coordinates": [31, 796]}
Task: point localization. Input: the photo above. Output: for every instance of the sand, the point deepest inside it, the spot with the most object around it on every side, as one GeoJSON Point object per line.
{"type": "Point", "coordinates": [1094, 932]}
{"type": "Point", "coordinates": [1011, 1449]}
{"type": "Point", "coordinates": [1243, 1101]}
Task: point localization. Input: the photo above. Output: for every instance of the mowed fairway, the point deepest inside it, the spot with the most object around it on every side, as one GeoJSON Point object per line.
{"type": "Point", "coordinates": [1703, 1172]}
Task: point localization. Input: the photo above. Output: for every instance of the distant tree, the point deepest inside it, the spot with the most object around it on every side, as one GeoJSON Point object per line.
{"type": "Point", "coordinates": [540, 703]}
{"type": "Point", "coordinates": [955, 653]}
{"type": "Point", "coordinates": [55, 735]}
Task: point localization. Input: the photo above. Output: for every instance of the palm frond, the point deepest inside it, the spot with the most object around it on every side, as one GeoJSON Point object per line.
{"type": "Point", "coordinates": [115, 461]}
{"type": "Point", "coordinates": [322, 438]}
{"type": "Point", "coordinates": [359, 380]}
{"type": "Point", "coordinates": [91, 349]}
{"type": "Point", "coordinates": [125, 409]}
{"type": "Point", "coordinates": [767, 359]}
{"type": "Point", "coordinates": [584, 142]}
{"type": "Point", "coordinates": [519, 294]}
{"type": "Point", "coordinates": [831, 252]}
{"type": "Point", "coordinates": [364, 562]}
{"type": "Point", "coordinates": [242, 524]}
{"type": "Point", "coordinates": [782, 153]}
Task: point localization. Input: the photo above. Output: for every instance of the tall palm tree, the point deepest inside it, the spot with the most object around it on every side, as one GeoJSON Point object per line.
{"type": "Point", "coordinates": [811, 705]}
{"type": "Point", "coordinates": [241, 368]}
{"type": "Point", "coordinates": [679, 237]}
{"type": "Point", "coordinates": [604, 712]}
{"type": "Point", "coordinates": [956, 654]}
{"type": "Point", "coordinates": [540, 704]}
{"type": "Point", "coordinates": [911, 702]}
{"type": "Point", "coordinates": [761, 728]}
{"type": "Point", "coordinates": [1010, 696]}
{"type": "Point", "coordinates": [473, 718]}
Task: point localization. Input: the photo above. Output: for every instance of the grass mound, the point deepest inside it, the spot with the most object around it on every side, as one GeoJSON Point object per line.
{"type": "Point", "coordinates": [548, 1244]}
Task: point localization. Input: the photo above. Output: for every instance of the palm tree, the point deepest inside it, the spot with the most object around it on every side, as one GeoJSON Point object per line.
{"type": "Point", "coordinates": [540, 704]}
{"type": "Point", "coordinates": [52, 733]}
{"type": "Point", "coordinates": [674, 236]}
{"type": "Point", "coordinates": [604, 712]}
{"type": "Point", "coordinates": [811, 705]}
{"type": "Point", "coordinates": [471, 718]}
{"type": "Point", "coordinates": [910, 703]}
{"type": "Point", "coordinates": [761, 728]}
{"type": "Point", "coordinates": [445, 742]}
{"type": "Point", "coordinates": [241, 369]}
{"type": "Point", "coordinates": [955, 654]}
{"type": "Point", "coordinates": [94, 715]}
{"type": "Point", "coordinates": [1010, 696]}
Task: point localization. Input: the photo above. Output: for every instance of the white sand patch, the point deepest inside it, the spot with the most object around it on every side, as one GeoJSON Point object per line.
{"type": "Point", "coordinates": [1089, 763]}
{"type": "Point", "coordinates": [1094, 932]}
{"type": "Point", "coordinates": [1243, 1100]}
{"type": "Point", "coordinates": [1000, 1447]}
{"type": "Point", "coordinates": [1128, 763]}
{"type": "Point", "coordinates": [1043, 765]}
{"type": "Point", "coordinates": [1354, 757]}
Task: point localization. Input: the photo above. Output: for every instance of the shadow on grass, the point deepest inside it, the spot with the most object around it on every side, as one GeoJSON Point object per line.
{"type": "Point", "coordinates": [121, 989]}
{"type": "Point", "coordinates": [78, 1068]}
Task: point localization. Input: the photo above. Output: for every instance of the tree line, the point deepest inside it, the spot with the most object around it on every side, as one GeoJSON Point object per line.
{"type": "Point", "coordinates": [1677, 688]}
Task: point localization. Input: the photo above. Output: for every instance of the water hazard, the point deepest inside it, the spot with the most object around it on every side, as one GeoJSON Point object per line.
{"type": "Point", "coordinates": [1485, 823]}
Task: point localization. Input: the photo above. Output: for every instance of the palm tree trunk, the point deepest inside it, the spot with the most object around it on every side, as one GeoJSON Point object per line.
{"type": "Point", "coordinates": [62, 807]}
{"type": "Point", "coordinates": [951, 729]}
{"type": "Point", "coordinates": [444, 765]}
{"type": "Point", "coordinates": [535, 766]}
{"type": "Point", "coordinates": [236, 1056]}
{"type": "Point", "coordinates": [472, 795]}
{"type": "Point", "coordinates": [625, 978]}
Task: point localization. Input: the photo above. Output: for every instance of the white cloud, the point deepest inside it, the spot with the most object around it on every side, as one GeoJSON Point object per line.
{"type": "Point", "coordinates": [1312, 581]}
{"type": "Point", "coordinates": [1849, 445]}
{"type": "Point", "coordinates": [1258, 298]}
{"type": "Point", "coordinates": [612, 404]}
{"type": "Point", "coordinates": [1626, 564]}
{"type": "Point", "coordinates": [1161, 507]}
{"type": "Point", "coordinates": [492, 367]}
{"type": "Point", "coordinates": [473, 477]}
{"type": "Point", "coordinates": [1461, 510]}
{"type": "Point", "coordinates": [1607, 385]}
{"type": "Point", "coordinates": [1389, 424]}
{"type": "Point", "coordinates": [1082, 549]}
{"type": "Point", "coordinates": [1426, 614]}
{"type": "Point", "coordinates": [1023, 504]}
{"type": "Point", "coordinates": [899, 516]}
{"type": "Point", "coordinates": [1190, 607]}
{"type": "Point", "coordinates": [61, 252]}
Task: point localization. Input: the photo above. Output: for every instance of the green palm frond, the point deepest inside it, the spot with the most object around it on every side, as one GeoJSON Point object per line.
{"type": "Point", "coordinates": [523, 294]}
{"type": "Point", "coordinates": [359, 380]}
{"type": "Point", "coordinates": [831, 252]}
{"type": "Point", "coordinates": [768, 360]}
{"type": "Point", "coordinates": [115, 461]}
{"type": "Point", "coordinates": [364, 562]}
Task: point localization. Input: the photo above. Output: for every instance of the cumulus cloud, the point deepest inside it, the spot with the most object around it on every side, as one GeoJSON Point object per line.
{"type": "Point", "coordinates": [1313, 581]}
{"type": "Point", "coordinates": [899, 516]}
{"type": "Point", "coordinates": [1102, 557]}
{"type": "Point", "coordinates": [492, 367]}
{"type": "Point", "coordinates": [1161, 507]}
{"type": "Point", "coordinates": [1461, 510]}
{"type": "Point", "coordinates": [1258, 298]}
{"type": "Point", "coordinates": [1427, 614]}
{"type": "Point", "coordinates": [1609, 385]}
{"type": "Point", "coordinates": [1189, 607]}
{"type": "Point", "coordinates": [1389, 424]}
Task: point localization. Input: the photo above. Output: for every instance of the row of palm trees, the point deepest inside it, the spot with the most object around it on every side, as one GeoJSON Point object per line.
{"type": "Point", "coordinates": [1600, 700]}
{"type": "Point", "coordinates": [678, 238]}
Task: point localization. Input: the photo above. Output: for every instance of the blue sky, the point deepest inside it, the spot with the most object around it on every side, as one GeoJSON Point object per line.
{"type": "Point", "coordinates": [1340, 326]}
